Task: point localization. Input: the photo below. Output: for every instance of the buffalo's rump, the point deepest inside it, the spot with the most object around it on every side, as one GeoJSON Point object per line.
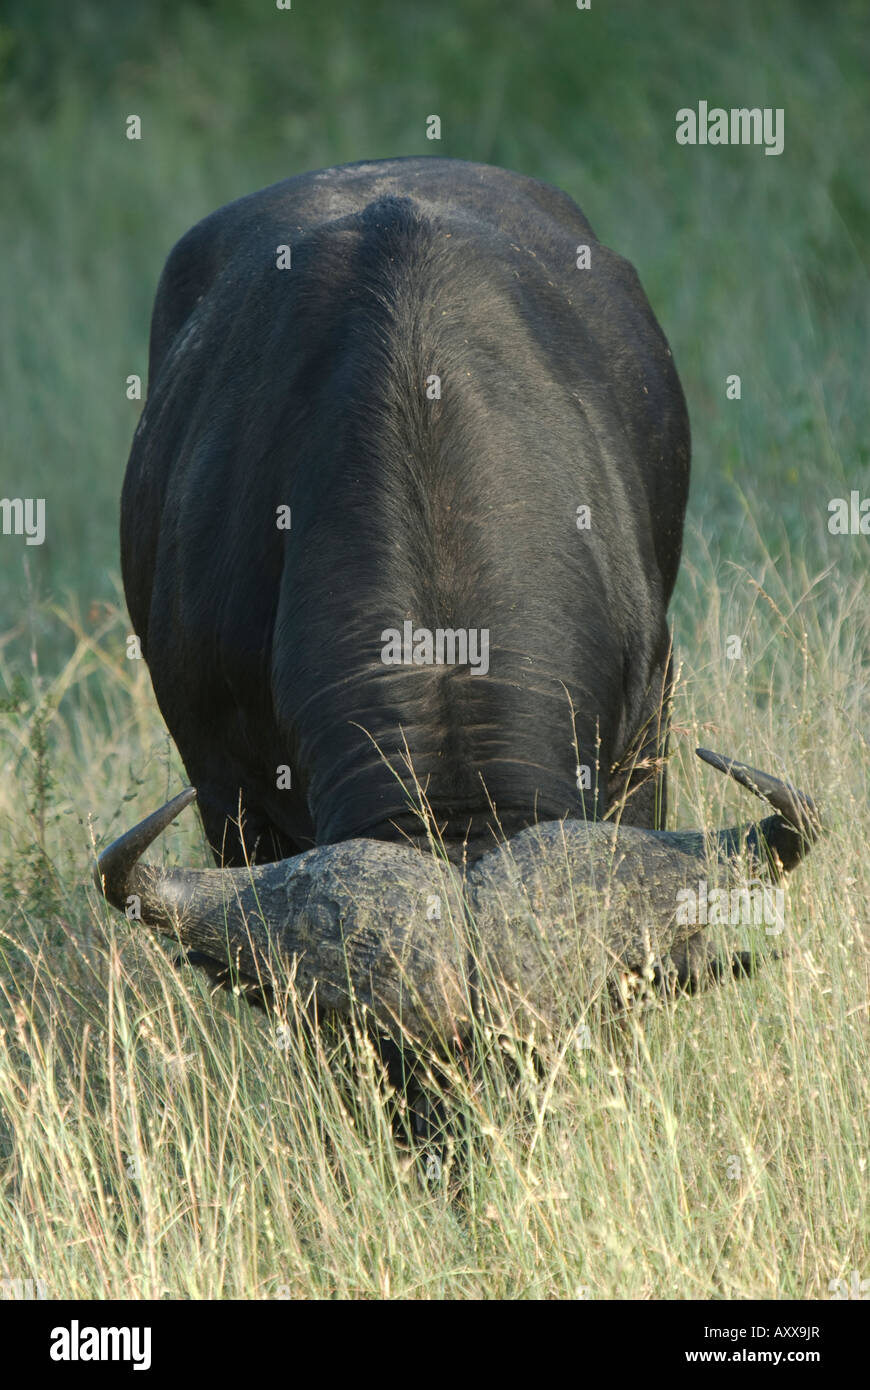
{"type": "Point", "coordinates": [433, 388]}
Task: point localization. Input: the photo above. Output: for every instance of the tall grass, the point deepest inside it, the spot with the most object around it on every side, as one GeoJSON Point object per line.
{"type": "Point", "coordinates": [156, 1141]}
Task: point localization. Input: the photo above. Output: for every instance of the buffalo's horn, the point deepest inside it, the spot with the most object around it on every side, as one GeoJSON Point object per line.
{"type": "Point", "coordinates": [797, 825]}
{"type": "Point", "coordinates": [544, 920]}
{"type": "Point", "coordinates": [367, 921]}
{"type": "Point", "coordinates": [118, 873]}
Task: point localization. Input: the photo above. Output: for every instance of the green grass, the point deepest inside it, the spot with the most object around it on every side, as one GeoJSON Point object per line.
{"type": "Point", "coordinates": [154, 1141]}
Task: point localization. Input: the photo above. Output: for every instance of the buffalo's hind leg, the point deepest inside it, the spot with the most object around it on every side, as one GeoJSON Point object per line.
{"type": "Point", "coordinates": [639, 779]}
{"type": "Point", "coordinates": [256, 841]}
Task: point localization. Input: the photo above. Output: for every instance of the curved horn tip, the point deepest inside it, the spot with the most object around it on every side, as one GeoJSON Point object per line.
{"type": "Point", "coordinates": [117, 859]}
{"type": "Point", "coordinates": [749, 777]}
{"type": "Point", "coordinates": [714, 759]}
{"type": "Point", "coordinates": [793, 805]}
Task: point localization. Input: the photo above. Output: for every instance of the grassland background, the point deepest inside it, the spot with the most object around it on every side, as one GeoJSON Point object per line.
{"type": "Point", "coordinates": [153, 1142]}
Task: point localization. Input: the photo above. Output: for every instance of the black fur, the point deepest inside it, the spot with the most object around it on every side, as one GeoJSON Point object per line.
{"type": "Point", "coordinates": [306, 387]}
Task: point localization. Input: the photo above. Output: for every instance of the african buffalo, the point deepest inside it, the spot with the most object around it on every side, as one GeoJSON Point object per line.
{"type": "Point", "coordinates": [400, 526]}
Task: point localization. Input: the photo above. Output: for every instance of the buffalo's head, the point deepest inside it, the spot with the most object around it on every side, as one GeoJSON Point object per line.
{"type": "Point", "coordinates": [551, 915]}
